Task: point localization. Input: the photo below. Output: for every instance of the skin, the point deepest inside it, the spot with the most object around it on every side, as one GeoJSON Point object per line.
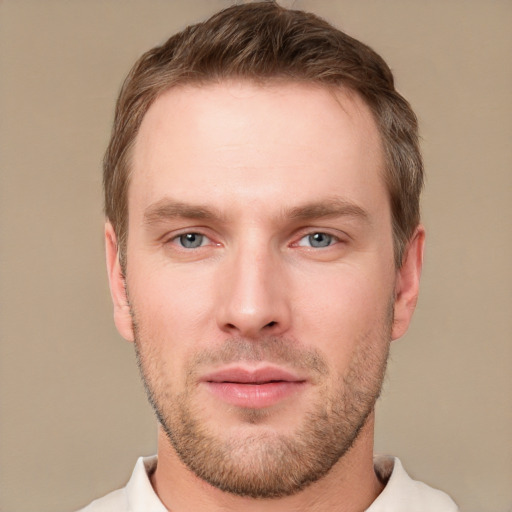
{"type": "Point", "coordinates": [256, 274]}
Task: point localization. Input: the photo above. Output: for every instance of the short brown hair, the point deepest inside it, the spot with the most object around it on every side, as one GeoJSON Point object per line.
{"type": "Point", "coordinates": [262, 41]}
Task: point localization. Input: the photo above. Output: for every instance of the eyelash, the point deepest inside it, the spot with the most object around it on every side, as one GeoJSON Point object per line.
{"type": "Point", "coordinates": [175, 240]}
{"type": "Point", "coordinates": [332, 240]}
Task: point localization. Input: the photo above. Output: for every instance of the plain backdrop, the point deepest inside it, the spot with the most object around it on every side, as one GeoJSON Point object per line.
{"type": "Point", "coordinates": [73, 413]}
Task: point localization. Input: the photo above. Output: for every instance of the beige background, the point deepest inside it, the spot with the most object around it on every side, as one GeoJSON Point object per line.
{"type": "Point", "coordinates": [73, 414]}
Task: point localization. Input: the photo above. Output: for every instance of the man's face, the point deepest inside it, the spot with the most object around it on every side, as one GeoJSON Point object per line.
{"type": "Point", "coordinates": [260, 278]}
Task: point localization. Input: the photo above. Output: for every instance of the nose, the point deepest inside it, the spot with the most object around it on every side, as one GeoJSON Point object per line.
{"type": "Point", "coordinates": [253, 296]}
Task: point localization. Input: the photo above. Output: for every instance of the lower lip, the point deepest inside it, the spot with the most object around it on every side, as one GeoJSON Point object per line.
{"type": "Point", "coordinates": [254, 396]}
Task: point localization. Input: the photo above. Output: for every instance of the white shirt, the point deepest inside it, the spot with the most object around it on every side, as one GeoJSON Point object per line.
{"type": "Point", "coordinates": [401, 494]}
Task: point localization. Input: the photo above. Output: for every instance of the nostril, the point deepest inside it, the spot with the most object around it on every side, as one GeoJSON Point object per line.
{"type": "Point", "coordinates": [249, 329]}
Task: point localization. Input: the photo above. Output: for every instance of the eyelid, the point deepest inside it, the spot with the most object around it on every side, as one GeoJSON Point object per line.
{"type": "Point", "coordinates": [333, 239]}
{"type": "Point", "coordinates": [204, 240]}
{"type": "Point", "coordinates": [173, 237]}
{"type": "Point", "coordinates": [300, 234]}
{"type": "Point", "coordinates": [339, 236]}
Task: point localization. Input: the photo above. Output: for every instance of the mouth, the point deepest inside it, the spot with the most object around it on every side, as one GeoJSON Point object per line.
{"type": "Point", "coordinates": [253, 388]}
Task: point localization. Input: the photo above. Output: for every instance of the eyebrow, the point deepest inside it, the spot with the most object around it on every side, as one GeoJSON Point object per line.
{"type": "Point", "coordinates": [166, 209]}
{"type": "Point", "coordinates": [327, 208]}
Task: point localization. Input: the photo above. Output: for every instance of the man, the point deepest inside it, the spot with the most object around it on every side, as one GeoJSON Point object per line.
{"type": "Point", "coordinates": [264, 248]}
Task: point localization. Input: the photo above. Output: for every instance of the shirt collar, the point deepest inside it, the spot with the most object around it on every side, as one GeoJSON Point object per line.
{"type": "Point", "coordinates": [401, 493]}
{"type": "Point", "coordinates": [140, 492]}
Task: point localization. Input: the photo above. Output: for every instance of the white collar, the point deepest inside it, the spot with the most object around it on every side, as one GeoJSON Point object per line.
{"type": "Point", "coordinates": [139, 491]}
{"type": "Point", "coordinates": [401, 493]}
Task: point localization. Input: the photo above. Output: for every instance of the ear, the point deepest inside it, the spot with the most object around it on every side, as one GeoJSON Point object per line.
{"type": "Point", "coordinates": [116, 279]}
{"type": "Point", "coordinates": [407, 283]}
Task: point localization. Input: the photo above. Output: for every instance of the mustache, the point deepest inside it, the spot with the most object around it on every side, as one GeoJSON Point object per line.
{"type": "Point", "coordinates": [270, 349]}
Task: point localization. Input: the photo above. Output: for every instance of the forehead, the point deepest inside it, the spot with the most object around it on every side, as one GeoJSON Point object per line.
{"type": "Point", "coordinates": [237, 138]}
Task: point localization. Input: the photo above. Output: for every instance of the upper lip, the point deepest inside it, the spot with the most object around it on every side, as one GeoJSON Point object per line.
{"type": "Point", "coordinates": [242, 375]}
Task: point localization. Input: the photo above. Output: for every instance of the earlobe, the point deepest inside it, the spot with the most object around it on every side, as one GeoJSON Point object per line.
{"type": "Point", "coordinates": [122, 316]}
{"type": "Point", "coordinates": [407, 283]}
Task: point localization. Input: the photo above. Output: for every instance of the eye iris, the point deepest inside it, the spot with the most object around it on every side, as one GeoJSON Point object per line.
{"type": "Point", "coordinates": [320, 240]}
{"type": "Point", "coordinates": [191, 240]}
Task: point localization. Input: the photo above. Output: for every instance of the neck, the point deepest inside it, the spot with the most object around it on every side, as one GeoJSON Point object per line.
{"type": "Point", "coordinates": [351, 485]}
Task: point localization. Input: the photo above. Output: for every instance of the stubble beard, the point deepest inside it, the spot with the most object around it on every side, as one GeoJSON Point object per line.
{"type": "Point", "coordinates": [265, 463]}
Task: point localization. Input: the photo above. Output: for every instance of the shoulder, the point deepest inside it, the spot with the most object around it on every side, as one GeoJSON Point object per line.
{"type": "Point", "coordinates": [137, 495]}
{"type": "Point", "coordinates": [116, 500]}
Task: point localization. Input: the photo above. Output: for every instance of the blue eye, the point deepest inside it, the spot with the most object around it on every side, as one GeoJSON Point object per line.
{"type": "Point", "coordinates": [317, 240]}
{"type": "Point", "coordinates": [191, 240]}
{"type": "Point", "coordinates": [320, 240]}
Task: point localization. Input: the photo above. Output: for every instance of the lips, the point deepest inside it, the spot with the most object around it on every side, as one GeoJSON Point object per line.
{"type": "Point", "coordinates": [253, 388]}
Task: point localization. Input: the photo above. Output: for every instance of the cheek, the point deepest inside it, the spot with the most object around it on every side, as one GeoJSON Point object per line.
{"type": "Point", "coordinates": [173, 311]}
{"type": "Point", "coordinates": [352, 305]}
